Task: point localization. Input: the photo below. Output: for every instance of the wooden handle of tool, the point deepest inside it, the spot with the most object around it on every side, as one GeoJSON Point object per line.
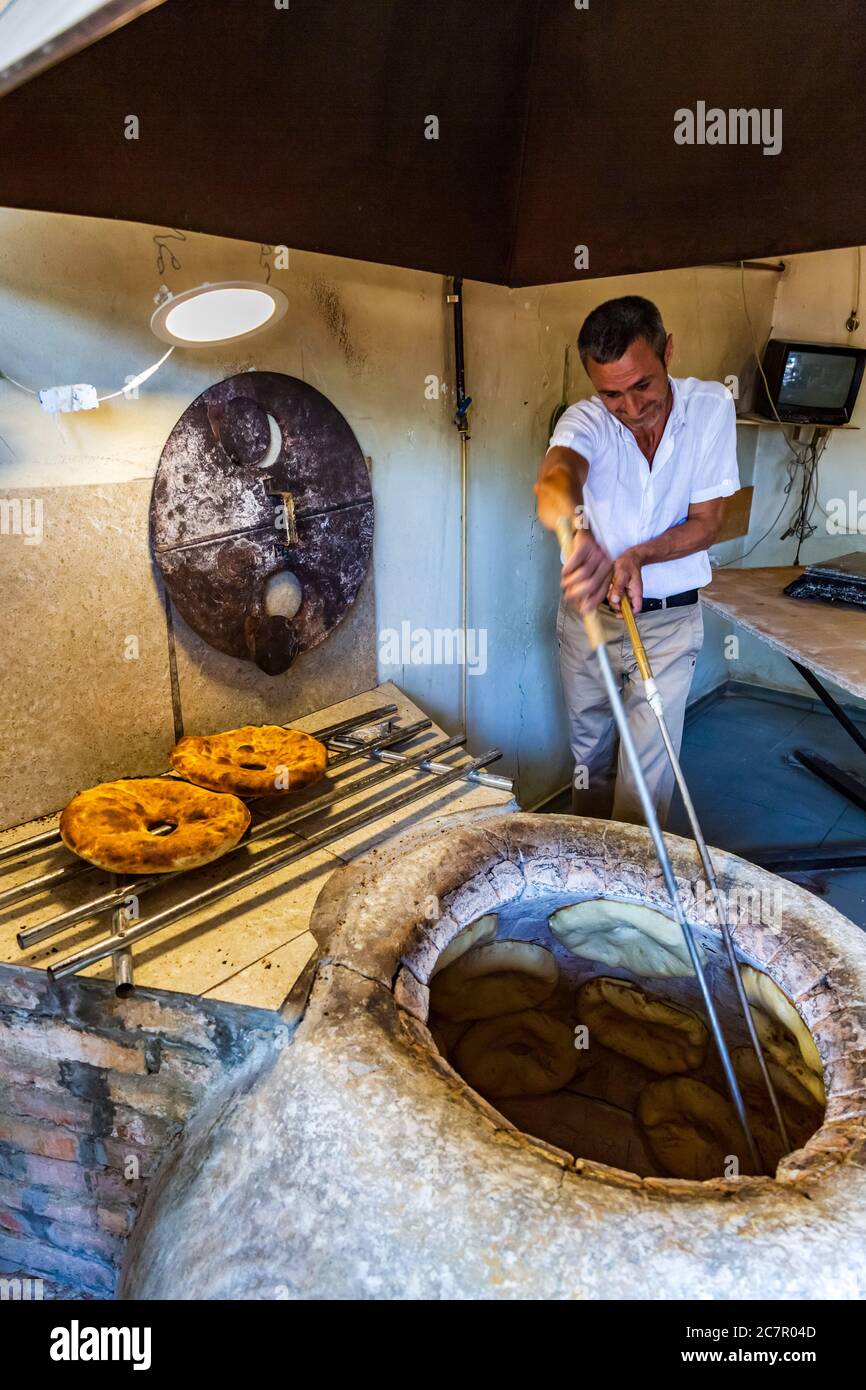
{"type": "Point", "coordinates": [565, 534]}
{"type": "Point", "coordinates": [641, 657]}
{"type": "Point", "coordinates": [591, 621]}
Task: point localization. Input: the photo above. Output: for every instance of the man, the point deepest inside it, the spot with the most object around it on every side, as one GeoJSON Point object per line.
{"type": "Point", "coordinates": [646, 463]}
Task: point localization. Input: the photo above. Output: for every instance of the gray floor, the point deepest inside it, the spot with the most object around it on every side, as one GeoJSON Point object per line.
{"type": "Point", "coordinates": [737, 756]}
{"type": "Point", "coordinates": [749, 793]}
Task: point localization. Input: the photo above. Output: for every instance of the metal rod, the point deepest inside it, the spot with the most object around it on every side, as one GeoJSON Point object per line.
{"type": "Point", "coordinates": [122, 961]}
{"type": "Point", "coordinates": [654, 700]}
{"type": "Point", "coordinates": [267, 865]}
{"type": "Point", "coordinates": [32, 936]}
{"type": "Point", "coordinates": [45, 837]}
{"type": "Point", "coordinates": [358, 750]}
{"type": "Point", "coordinates": [833, 706]}
{"type": "Point", "coordinates": [355, 721]}
{"type": "Point", "coordinates": [799, 860]}
{"type": "Point", "coordinates": [123, 981]}
{"type": "Point", "coordinates": [38, 885]}
{"type": "Point", "coordinates": [595, 634]}
{"type": "Point", "coordinates": [484, 779]}
{"type": "Point", "coordinates": [358, 721]}
{"type": "Point", "coordinates": [671, 885]}
{"type": "Point", "coordinates": [841, 781]}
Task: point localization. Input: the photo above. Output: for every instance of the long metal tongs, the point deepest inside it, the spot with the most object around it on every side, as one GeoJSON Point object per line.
{"type": "Point", "coordinates": [592, 624]}
{"type": "Point", "coordinates": [654, 700]}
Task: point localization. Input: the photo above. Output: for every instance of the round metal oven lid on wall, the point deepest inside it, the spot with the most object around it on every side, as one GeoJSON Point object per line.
{"type": "Point", "coordinates": [262, 476]}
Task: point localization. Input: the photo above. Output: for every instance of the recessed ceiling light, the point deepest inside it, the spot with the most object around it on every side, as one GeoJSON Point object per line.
{"type": "Point", "coordinates": [218, 313]}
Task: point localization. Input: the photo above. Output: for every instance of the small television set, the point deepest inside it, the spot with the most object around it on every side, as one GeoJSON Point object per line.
{"type": "Point", "coordinates": [809, 383]}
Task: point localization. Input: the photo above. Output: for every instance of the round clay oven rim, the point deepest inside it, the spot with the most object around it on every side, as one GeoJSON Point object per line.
{"type": "Point", "coordinates": [389, 916]}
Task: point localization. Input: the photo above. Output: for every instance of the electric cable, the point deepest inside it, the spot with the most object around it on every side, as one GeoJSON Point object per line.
{"type": "Point", "coordinates": [779, 420]}
{"type": "Point", "coordinates": [110, 395]}
{"type": "Point", "coordinates": [805, 458]}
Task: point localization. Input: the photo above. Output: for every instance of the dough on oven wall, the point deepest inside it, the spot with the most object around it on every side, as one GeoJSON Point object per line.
{"type": "Point", "coordinates": [627, 935]}
{"type": "Point", "coordinates": [691, 1130]}
{"type": "Point", "coordinates": [764, 994]}
{"type": "Point", "coordinates": [664, 1037]}
{"type": "Point", "coordinates": [801, 1113]}
{"type": "Point", "coordinates": [476, 934]}
{"type": "Point", "coordinates": [521, 1054]}
{"type": "Point", "coordinates": [501, 977]}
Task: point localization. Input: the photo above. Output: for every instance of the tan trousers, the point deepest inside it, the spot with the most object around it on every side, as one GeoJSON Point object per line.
{"type": "Point", "coordinates": [602, 784]}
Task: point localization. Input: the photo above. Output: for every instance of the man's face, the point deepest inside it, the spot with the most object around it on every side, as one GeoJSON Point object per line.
{"type": "Point", "coordinates": [634, 387]}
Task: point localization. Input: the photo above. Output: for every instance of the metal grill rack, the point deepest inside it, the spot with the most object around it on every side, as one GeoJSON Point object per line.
{"type": "Point", "coordinates": [370, 738]}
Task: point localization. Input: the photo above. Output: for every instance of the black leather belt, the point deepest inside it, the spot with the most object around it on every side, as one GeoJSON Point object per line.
{"type": "Point", "coordinates": [652, 605]}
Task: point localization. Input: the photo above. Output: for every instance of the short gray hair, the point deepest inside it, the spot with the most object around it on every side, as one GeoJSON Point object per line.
{"type": "Point", "coordinates": [610, 329]}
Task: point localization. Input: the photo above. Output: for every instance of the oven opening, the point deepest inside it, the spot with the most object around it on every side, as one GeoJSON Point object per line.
{"type": "Point", "coordinates": [161, 827]}
{"type": "Point", "coordinates": [583, 1025]}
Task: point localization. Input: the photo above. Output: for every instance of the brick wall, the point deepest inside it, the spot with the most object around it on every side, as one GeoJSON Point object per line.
{"type": "Point", "coordinates": [93, 1090]}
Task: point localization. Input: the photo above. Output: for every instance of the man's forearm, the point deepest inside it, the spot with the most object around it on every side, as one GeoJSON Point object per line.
{"type": "Point", "coordinates": [572, 467]}
{"type": "Point", "coordinates": [685, 539]}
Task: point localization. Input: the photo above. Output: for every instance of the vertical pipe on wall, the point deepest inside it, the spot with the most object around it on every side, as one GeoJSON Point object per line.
{"type": "Point", "coordinates": [462, 404]}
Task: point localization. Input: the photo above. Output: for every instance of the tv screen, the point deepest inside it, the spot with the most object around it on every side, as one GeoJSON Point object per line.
{"type": "Point", "coordinates": [816, 379]}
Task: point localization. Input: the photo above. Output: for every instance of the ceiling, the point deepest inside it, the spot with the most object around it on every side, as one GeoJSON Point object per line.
{"type": "Point", "coordinates": [306, 126]}
{"type": "Point", "coordinates": [36, 34]}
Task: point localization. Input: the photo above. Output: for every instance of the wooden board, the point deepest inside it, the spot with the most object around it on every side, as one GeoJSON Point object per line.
{"type": "Point", "coordinates": [829, 641]}
{"type": "Point", "coordinates": [736, 515]}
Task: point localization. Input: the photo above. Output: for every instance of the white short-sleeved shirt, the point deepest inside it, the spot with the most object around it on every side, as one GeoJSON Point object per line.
{"type": "Point", "coordinates": [628, 502]}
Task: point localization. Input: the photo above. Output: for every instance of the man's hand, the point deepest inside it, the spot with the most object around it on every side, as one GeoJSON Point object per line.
{"type": "Point", "coordinates": [627, 580]}
{"type": "Point", "coordinates": [586, 573]}
{"type": "Point", "coordinates": [559, 490]}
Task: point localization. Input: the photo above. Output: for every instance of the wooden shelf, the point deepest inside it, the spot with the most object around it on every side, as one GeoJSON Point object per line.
{"type": "Point", "coordinates": [789, 424]}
